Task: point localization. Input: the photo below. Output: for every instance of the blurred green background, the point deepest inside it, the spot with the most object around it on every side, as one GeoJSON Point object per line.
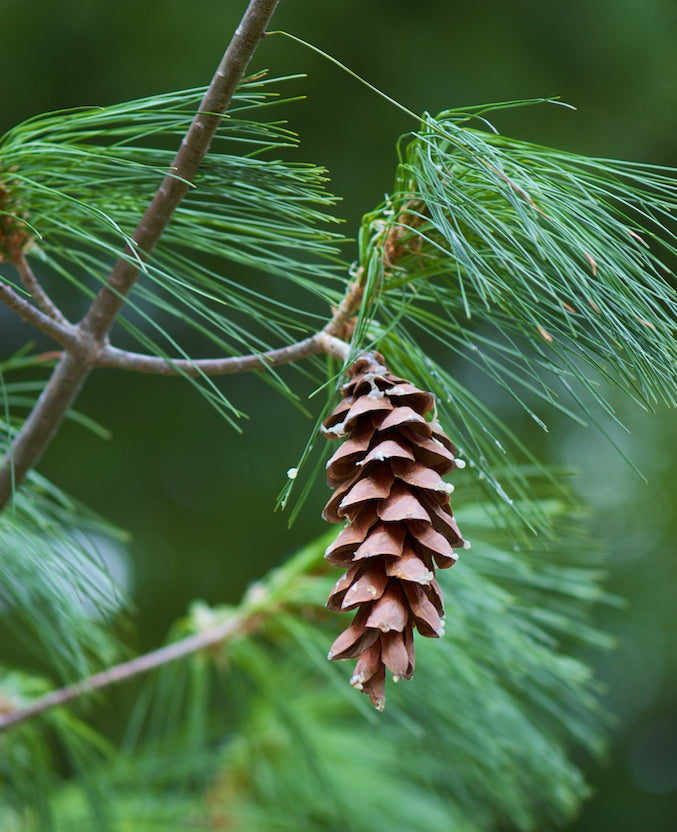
{"type": "Point", "coordinates": [197, 497]}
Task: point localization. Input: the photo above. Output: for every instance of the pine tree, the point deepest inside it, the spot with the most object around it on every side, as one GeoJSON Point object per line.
{"type": "Point", "coordinates": [538, 267]}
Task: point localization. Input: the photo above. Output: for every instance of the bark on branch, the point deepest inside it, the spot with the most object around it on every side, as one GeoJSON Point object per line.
{"type": "Point", "coordinates": [41, 297]}
{"type": "Point", "coordinates": [331, 340]}
{"type": "Point", "coordinates": [59, 330]}
{"type": "Point", "coordinates": [320, 343]}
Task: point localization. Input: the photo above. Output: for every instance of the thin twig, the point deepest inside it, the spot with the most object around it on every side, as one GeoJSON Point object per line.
{"type": "Point", "coordinates": [41, 297]}
{"type": "Point", "coordinates": [340, 323]}
{"type": "Point", "coordinates": [60, 331]}
{"type": "Point", "coordinates": [216, 634]}
{"type": "Point", "coordinates": [320, 343]}
{"type": "Point", "coordinates": [42, 423]}
{"type": "Point", "coordinates": [331, 340]}
{"type": "Point", "coordinates": [73, 369]}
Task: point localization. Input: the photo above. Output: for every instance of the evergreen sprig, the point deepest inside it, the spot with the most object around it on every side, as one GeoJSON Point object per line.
{"type": "Point", "coordinates": [279, 741]}
{"type": "Point", "coordinates": [57, 595]}
{"type": "Point", "coordinates": [79, 181]}
{"type": "Point", "coordinates": [547, 243]}
{"type": "Point", "coordinates": [540, 269]}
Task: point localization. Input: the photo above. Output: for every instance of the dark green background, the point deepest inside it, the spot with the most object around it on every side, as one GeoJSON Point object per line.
{"type": "Point", "coordinates": [197, 497]}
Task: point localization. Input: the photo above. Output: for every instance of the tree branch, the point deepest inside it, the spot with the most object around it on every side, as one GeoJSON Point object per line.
{"type": "Point", "coordinates": [320, 343]}
{"type": "Point", "coordinates": [331, 340]}
{"type": "Point", "coordinates": [73, 369]}
{"type": "Point", "coordinates": [42, 423]}
{"type": "Point", "coordinates": [340, 324]}
{"type": "Point", "coordinates": [325, 341]}
{"type": "Point", "coordinates": [41, 297]}
{"type": "Point", "coordinates": [216, 634]}
{"type": "Point", "coordinates": [59, 330]}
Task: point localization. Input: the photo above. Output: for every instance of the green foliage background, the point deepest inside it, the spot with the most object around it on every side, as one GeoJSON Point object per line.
{"type": "Point", "coordinates": [161, 478]}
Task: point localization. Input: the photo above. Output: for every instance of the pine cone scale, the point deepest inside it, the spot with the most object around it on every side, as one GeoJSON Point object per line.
{"type": "Point", "coordinates": [394, 654]}
{"type": "Point", "coordinates": [388, 449]}
{"type": "Point", "coordinates": [382, 540]}
{"type": "Point", "coordinates": [402, 504]}
{"type": "Point", "coordinates": [374, 487]}
{"type": "Point", "coordinates": [370, 586]}
{"type": "Point", "coordinates": [405, 417]}
{"type": "Point", "coordinates": [410, 567]}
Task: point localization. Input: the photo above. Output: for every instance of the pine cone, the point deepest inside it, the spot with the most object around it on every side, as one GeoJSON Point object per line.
{"type": "Point", "coordinates": [388, 486]}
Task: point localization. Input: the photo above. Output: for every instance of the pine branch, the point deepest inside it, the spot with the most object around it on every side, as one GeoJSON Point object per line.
{"type": "Point", "coordinates": [57, 594]}
{"type": "Point", "coordinates": [43, 422]}
{"type": "Point", "coordinates": [56, 327]}
{"type": "Point", "coordinates": [263, 600]}
{"type": "Point", "coordinates": [241, 622]}
{"type": "Point", "coordinates": [72, 370]}
{"type": "Point", "coordinates": [41, 297]}
{"type": "Point", "coordinates": [543, 701]}
{"type": "Point", "coordinates": [320, 343]}
{"type": "Point", "coordinates": [65, 383]}
{"type": "Point", "coordinates": [328, 341]}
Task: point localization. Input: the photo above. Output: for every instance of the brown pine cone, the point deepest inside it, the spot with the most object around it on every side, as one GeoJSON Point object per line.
{"type": "Point", "coordinates": [387, 477]}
